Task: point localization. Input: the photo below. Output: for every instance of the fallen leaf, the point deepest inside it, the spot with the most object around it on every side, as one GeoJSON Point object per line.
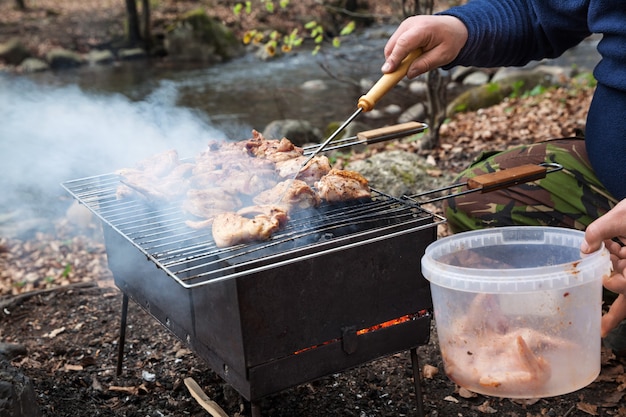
{"type": "Point", "coordinates": [486, 408]}
{"type": "Point", "coordinates": [525, 401]}
{"type": "Point", "coordinates": [588, 408]}
{"type": "Point", "coordinates": [465, 393]}
{"type": "Point", "coordinates": [127, 390]}
{"type": "Point", "coordinates": [68, 367]}
{"type": "Point", "coordinates": [429, 371]}
{"type": "Point", "coordinates": [451, 399]}
{"type": "Point", "coordinates": [613, 400]}
{"type": "Point", "coordinates": [54, 333]}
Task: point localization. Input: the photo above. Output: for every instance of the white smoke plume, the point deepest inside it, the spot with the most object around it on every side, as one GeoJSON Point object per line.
{"type": "Point", "coordinates": [53, 134]}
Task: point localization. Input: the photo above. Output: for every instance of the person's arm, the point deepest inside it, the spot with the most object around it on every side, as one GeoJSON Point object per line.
{"type": "Point", "coordinates": [498, 33]}
{"type": "Point", "coordinates": [610, 226]}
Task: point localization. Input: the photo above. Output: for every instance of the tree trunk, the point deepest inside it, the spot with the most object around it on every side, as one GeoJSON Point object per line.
{"type": "Point", "coordinates": [20, 4]}
{"type": "Point", "coordinates": [134, 36]}
{"type": "Point", "coordinates": [145, 15]}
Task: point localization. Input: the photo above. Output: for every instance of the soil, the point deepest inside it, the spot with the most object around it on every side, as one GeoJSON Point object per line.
{"type": "Point", "coordinates": [71, 336]}
{"type": "Point", "coordinates": [60, 303]}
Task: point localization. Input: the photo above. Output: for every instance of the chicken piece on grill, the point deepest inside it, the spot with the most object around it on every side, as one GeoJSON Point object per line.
{"type": "Point", "coordinates": [313, 171]}
{"type": "Point", "coordinates": [274, 150]}
{"type": "Point", "coordinates": [208, 203]}
{"type": "Point", "coordinates": [255, 223]}
{"type": "Point", "coordinates": [159, 164]}
{"type": "Point", "coordinates": [342, 185]}
{"type": "Point", "coordinates": [151, 187]}
{"type": "Point", "coordinates": [294, 194]}
{"type": "Point", "coordinates": [159, 177]}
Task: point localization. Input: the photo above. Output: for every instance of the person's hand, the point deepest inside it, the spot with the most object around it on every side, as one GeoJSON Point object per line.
{"type": "Point", "coordinates": [440, 38]}
{"type": "Point", "coordinates": [604, 229]}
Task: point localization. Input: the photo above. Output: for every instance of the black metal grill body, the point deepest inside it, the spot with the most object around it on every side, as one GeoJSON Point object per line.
{"type": "Point", "coordinates": [281, 315]}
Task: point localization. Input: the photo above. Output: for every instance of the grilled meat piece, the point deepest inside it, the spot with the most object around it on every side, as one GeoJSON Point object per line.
{"type": "Point", "coordinates": [159, 164]}
{"type": "Point", "coordinates": [294, 194]}
{"type": "Point", "coordinates": [274, 150]}
{"type": "Point", "coordinates": [207, 203]}
{"type": "Point", "coordinates": [235, 182]}
{"type": "Point", "coordinates": [159, 177]}
{"type": "Point", "coordinates": [255, 223]}
{"type": "Point", "coordinates": [313, 171]}
{"type": "Point", "coordinates": [151, 187]}
{"type": "Point", "coordinates": [341, 185]}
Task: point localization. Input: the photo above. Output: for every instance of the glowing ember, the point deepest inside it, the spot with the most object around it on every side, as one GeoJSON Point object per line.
{"type": "Point", "coordinates": [388, 323]}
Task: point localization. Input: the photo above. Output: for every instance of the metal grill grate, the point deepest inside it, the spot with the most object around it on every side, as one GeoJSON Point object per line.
{"type": "Point", "coordinates": [190, 256]}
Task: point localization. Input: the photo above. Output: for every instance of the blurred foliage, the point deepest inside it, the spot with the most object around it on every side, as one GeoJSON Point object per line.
{"type": "Point", "coordinates": [273, 40]}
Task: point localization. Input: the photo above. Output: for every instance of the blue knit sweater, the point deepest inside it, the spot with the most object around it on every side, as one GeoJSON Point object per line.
{"type": "Point", "coordinates": [514, 32]}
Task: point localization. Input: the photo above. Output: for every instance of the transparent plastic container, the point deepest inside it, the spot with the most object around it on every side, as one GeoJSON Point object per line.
{"type": "Point", "coordinates": [517, 309]}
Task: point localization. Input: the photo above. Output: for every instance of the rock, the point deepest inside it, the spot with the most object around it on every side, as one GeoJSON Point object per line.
{"type": "Point", "coordinates": [12, 350]}
{"type": "Point", "coordinates": [131, 54]}
{"type": "Point", "coordinates": [418, 87]}
{"type": "Point", "coordinates": [365, 83]}
{"type": "Point", "coordinates": [30, 65]}
{"type": "Point", "coordinates": [476, 78]}
{"type": "Point", "coordinates": [494, 92]}
{"type": "Point", "coordinates": [374, 114]}
{"type": "Point", "coordinates": [62, 58]}
{"type": "Point", "coordinates": [459, 73]}
{"type": "Point", "coordinates": [413, 113]}
{"type": "Point", "coordinates": [299, 132]}
{"type": "Point", "coordinates": [392, 109]}
{"type": "Point", "coordinates": [397, 172]}
{"type": "Point", "coordinates": [17, 395]}
{"type": "Point", "coordinates": [314, 85]}
{"type": "Point", "coordinates": [103, 57]}
{"type": "Point", "coordinates": [198, 37]}
{"type": "Point", "coordinates": [13, 52]}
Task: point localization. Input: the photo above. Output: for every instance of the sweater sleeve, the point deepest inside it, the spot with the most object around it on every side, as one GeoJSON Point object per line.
{"type": "Point", "coordinates": [515, 32]}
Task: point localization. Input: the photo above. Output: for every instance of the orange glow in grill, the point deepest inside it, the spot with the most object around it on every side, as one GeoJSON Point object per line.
{"type": "Point", "coordinates": [388, 323]}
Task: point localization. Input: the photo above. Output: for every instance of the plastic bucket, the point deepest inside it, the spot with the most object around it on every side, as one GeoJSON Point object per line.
{"type": "Point", "coordinates": [517, 309]}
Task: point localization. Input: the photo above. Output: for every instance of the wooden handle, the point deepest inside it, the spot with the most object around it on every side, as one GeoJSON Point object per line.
{"type": "Point", "coordinates": [507, 177]}
{"type": "Point", "coordinates": [387, 82]}
{"type": "Point", "coordinates": [390, 131]}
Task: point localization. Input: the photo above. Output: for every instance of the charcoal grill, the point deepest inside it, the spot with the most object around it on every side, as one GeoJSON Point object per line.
{"type": "Point", "coordinates": [318, 298]}
{"type": "Point", "coordinates": [339, 286]}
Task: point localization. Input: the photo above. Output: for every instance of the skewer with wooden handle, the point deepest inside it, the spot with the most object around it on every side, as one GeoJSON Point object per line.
{"type": "Point", "coordinates": [369, 100]}
{"type": "Point", "coordinates": [492, 181]}
{"type": "Point", "coordinates": [387, 82]}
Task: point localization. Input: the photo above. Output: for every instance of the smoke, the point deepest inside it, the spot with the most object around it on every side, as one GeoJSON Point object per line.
{"type": "Point", "coordinates": [53, 134]}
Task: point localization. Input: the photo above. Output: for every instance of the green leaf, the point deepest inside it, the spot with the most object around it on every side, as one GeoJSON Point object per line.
{"type": "Point", "coordinates": [237, 9]}
{"type": "Point", "coordinates": [310, 25]}
{"type": "Point", "coordinates": [316, 50]}
{"type": "Point", "coordinates": [248, 7]}
{"type": "Point", "coordinates": [348, 29]}
{"type": "Point", "coordinates": [537, 90]}
{"type": "Point", "coordinates": [284, 3]}
{"type": "Point", "coordinates": [336, 42]}
{"type": "Point", "coordinates": [319, 38]}
{"type": "Point", "coordinates": [269, 6]}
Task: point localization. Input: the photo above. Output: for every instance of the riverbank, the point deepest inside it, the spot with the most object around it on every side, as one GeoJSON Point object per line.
{"type": "Point", "coordinates": [88, 26]}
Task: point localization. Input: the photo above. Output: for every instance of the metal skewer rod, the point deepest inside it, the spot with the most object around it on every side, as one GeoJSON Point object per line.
{"type": "Point", "coordinates": [333, 136]}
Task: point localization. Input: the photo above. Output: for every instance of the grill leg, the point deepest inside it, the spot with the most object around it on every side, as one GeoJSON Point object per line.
{"type": "Point", "coordinates": [255, 409]}
{"type": "Point", "coordinates": [417, 380]}
{"type": "Point", "coordinates": [122, 341]}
